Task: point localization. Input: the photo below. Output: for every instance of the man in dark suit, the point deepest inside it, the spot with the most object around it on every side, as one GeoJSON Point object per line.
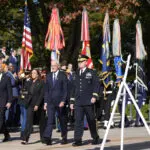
{"type": "Point", "coordinates": [5, 101]}
{"type": "Point", "coordinates": [13, 60]}
{"type": "Point", "coordinates": [84, 95]}
{"type": "Point", "coordinates": [55, 100]}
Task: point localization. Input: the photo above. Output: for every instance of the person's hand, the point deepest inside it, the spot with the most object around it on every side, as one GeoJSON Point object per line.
{"type": "Point", "coordinates": [45, 106]}
{"type": "Point", "coordinates": [36, 108]}
{"type": "Point", "coordinates": [8, 105]}
{"type": "Point", "coordinates": [15, 75]}
{"type": "Point", "coordinates": [71, 106]}
{"type": "Point", "coordinates": [93, 100]}
{"type": "Point", "coordinates": [61, 104]}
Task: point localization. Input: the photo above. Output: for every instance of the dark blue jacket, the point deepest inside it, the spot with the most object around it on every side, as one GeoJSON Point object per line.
{"type": "Point", "coordinates": [14, 61]}
{"type": "Point", "coordinates": [57, 93]}
{"type": "Point", "coordinates": [84, 88]}
{"type": "Point", "coordinates": [15, 90]}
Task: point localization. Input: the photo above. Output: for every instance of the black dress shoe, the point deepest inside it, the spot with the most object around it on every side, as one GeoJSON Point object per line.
{"type": "Point", "coordinates": [85, 128]}
{"type": "Point", "coordinates": [77, 143]}
{"type": "Point", "coordinates": [58, 131]}
{"type": "Point", "coordinates": [96, 141]}
{"type": "Point", "coordinates": [64, 141]}
{"type": "Point", "coordinates": [24, 142]}
{"type": "Point", "coordinates": [127, 124]}
{"type": "Point", "coordinates": [42, 140]}
{"type": "Point", "coordinates": [47, 141]}
{"type": "Point", "coordinates": [6, 138]}
{"type": "Point", "coordinates": [139, 125]}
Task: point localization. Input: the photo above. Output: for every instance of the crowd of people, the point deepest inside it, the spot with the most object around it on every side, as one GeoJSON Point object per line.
{"type": "Point", "coordinates": [60, 97]}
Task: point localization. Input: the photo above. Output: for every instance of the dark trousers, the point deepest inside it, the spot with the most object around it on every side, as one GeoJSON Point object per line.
{"type": "Point", "coordinates": [120, 111]}
{"type": "Point", "coordinates": [80, 111]}
{"type": "Point", "coordinates": [138, 118]}
{"type": "Point", "coordinates": [42, 121]}
{"type": "Point", "coordinates": [62, 115]}
{"type": "Point", "coordinates": [29, 123]}
{"type": "Point", "coordinates": [106, 106]}
{"type": "Point", "coordinates": [13, 114]}
{"type": "Point", "coordinates": [3, 128]}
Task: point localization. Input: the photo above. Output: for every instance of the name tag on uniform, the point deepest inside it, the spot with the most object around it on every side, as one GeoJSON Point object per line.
{"type": "Point", "coordinates": [88, 75]}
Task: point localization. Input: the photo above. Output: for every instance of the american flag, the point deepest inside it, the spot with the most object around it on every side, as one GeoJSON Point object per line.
{"type": "Point", "coordinates": [27, 50]}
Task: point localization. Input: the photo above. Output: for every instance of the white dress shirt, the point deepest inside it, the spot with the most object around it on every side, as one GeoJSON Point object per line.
{"type": "Point", "coordinates": [1, 76]}
{"type": "Point", "coordinates": [55, 74]}
{"type": "Point", "coordinates": [82, 70]}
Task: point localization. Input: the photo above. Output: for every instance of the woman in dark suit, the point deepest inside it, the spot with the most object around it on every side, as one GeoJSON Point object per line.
{"type": "Point", "coordinates": [34, 99]}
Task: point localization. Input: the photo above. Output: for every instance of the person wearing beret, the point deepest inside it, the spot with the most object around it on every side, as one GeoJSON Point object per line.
{"type": "Point", "coordinates": [83, 97]}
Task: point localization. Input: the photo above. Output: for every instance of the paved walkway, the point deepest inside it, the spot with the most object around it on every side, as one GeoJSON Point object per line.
{"type": "Point", "coordinates": [135, 139]}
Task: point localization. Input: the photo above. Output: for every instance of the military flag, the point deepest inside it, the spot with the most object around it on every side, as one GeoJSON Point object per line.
{"type": "Point", "coordinates": [85, 38]}
{"type": "Point", "coordinates": [140, 56]}
{"type": "Point", "coordinates": [54, 39]}
{"type": "Point", "coordinates": [104, 59]}
{"type": "Point", "coordinates": [140, 49]}
{"type": "Point", "coordinates": [116, 48]}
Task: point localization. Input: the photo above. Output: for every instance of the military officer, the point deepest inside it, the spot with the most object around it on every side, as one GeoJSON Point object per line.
{"type": "Point", "coordinates": [83, 96]}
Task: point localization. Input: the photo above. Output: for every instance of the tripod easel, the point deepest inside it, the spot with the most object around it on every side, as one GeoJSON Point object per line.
{"type": "Point", "coordinates": [138, 81]}
{"type": "Point", "coordinates": [123, 87]}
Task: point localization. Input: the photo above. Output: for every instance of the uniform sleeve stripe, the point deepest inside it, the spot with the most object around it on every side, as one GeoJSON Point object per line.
{"type": "Point", "coordinates": [72, 99]}
{"type": "Point", "coordinates": [95, 94]}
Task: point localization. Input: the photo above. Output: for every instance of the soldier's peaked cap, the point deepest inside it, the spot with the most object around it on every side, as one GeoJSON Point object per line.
{"type": "Point", "coordinates": [82, 58]}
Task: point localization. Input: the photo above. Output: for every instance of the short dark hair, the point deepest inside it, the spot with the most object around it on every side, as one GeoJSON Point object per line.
{"type": "Point", "coordinates": [63, 63]}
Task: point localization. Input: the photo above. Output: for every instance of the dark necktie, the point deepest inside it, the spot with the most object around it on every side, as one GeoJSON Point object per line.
{"type": "Point", "coordinates": [81, 72]}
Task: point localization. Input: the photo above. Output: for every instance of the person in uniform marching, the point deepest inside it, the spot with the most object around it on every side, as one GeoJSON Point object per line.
{"type": "Point", "coordinates": [83, 96]}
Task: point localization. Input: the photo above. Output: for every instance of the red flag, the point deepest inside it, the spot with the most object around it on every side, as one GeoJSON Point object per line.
{"type": "Point", "coordinates": [86, 38]}
{"type": "Point", "coordinates": [86, 51]}
{"type": "Point", "coordinates": [54, 39]}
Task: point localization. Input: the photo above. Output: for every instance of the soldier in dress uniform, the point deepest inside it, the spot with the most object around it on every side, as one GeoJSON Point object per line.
{"type": "Point", "coordinates": [83, 96]}
{"type": "Point", "coordinates": [108, 97]}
